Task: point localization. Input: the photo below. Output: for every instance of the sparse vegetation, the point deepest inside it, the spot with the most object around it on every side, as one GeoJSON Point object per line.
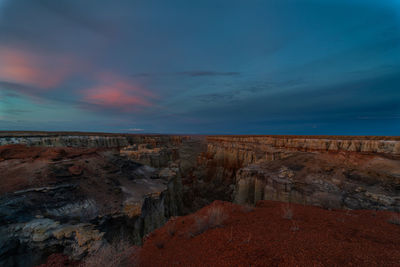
{"type": "Point", "coordinates": [215, 217]}
{"type": "Point", "coordinates": [159, 244]}
{"type": "Point", "coordinates": [171, 227]}
{"type": "Point", "coordinates": [200, 225]}
{"type": "Point", "coordinates": [395, 219]}
{"type": "Point", "coordinates": [231, 235]}
{"type": "Point", "coordinates": [247, 240]}
{"type": "Point", "coordinates": [295, 227]}
{"type": "Point", "coordinates": [119, 254]}
{"type": "Point", "coordinates": [287, 212]}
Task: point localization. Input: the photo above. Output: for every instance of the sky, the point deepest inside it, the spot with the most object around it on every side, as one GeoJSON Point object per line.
{"type": "Point", "coordinates": [201, 67]}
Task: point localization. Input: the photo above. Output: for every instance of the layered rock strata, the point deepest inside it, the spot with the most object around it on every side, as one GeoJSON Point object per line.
{"type": "Point", "coordinates": [340, 172]}
{"type": "Point", "coordinates": [89, 140]}
{"type": "Point", "coordinates": [335, 180]}
{"type": "Point", "coordinates": [73, 200]}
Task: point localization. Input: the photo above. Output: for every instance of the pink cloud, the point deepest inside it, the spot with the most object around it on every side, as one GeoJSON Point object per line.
{"type": "Point", "coordinates": [107, 77]}
{"type": "Point", "coordinates": [27, 68]}
{"type": "Point", "coordinates": [117, 93]}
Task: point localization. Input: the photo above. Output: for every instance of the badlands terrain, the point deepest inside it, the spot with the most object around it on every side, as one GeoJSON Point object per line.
{"type": "Point", "coordinates": [67, 198]}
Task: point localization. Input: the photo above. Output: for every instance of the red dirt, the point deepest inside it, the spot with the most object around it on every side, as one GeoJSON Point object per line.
{"type": "Point", "coordinates": [59, 260]}
{"type": "Point", "coordinates": [22, 167]}
{"type": "Point", "coordinates": [8, 152]}
{"type": "Point", "coordinates": [263, 237]}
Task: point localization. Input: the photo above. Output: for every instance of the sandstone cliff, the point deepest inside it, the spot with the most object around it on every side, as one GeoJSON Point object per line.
{"type": "Point", "coordinates": [236, 167]}
{"type": "Point", "coordinates": [334, 180]}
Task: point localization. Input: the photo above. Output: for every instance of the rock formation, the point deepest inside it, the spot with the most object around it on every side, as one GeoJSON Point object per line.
{"type": "Point", "coordinates": [338, 171]}
{"type": "Point", "coordinates": [72, 200]}
{"type": "Point", "coordinates": [72, 192]}
{"type": "Point", "coordinates": [334, 180]}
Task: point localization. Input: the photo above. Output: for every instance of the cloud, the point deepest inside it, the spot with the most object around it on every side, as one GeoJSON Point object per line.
{"type": "Point", "coordinates": [250, 89]}
{"type": "Point", "coordinates": [200, 73]}
{"type": "Point", "coordinates": [135, 130]}
{"type": "Point", "coordinates": [114, 96]}
{"type": "Point", "coordinates": [117, 93]}
{"type": "Point", "coordinates": [23, 67]}
{"type": "Point", "coordinates": [216, 97]}
{"type": "Point", "coordinates": [75, 14]}
{"type": "Point", "coordinates": [15, 87]}
{"type": "Point", "coordinates": [208, 73]}
{"type": "Point", "coordinates": [382, 117]}
{"type": "Point", "coordinates": [15, 111]}
{"type": "Point", "coordinates": [44, 77]}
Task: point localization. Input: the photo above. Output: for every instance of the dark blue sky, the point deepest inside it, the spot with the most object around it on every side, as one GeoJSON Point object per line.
{"type": "Point", "coordinates": [207, 67]}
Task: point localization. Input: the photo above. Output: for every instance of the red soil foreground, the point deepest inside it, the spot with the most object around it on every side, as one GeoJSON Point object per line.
{"type": "Point", "coordinates": [263, 237]}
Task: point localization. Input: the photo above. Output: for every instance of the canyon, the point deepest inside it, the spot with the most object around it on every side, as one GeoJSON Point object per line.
{"type": "Point", "coordinates": [72, 193]}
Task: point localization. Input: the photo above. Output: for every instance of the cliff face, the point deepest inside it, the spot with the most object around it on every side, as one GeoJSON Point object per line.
{"type": "Point", "coordinates": [155, 152]}
{"type": "Point", "coordinates": [73, 200]}
{"type": "Point", "coordinates": [90, 141]}
{"type": "Point", "coordinates": [230, 153]}
{"type": "Point", "coordinates": [72, 193]}
{"type": "Point", "coordinates": [353, 172]}
{"type": "Point", "coordinates": [67, 141]}
{"type": "Point", "coordinates": [253, 148]}
{"type": "Point", "coordinates": [335, 180]}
